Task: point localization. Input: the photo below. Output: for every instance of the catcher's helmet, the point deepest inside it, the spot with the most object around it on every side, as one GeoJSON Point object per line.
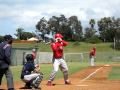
{"type": "Point", "coordinates": [58, 35]}
{"type": "Point", "coordinates": [29, 57]}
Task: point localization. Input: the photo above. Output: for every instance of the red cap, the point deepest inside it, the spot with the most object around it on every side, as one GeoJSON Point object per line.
{"type": "Point", "coordinates": [58, 35]}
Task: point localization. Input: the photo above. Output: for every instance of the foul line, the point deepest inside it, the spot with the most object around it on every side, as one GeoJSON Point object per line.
{"type": "Point", "coordinates": [90, 75]}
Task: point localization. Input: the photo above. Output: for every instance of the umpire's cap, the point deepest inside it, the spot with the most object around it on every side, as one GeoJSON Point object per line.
{"type": "Point", "coordinates": [8, 37]}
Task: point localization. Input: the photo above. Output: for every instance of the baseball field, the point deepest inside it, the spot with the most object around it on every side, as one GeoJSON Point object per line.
{"type": "Point", "coordinates": [105, 75]}
{"type": "Point", "coordinates": [82, 76]}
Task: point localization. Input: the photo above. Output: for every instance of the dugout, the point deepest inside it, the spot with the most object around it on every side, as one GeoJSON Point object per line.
{"type": "Point", "coordinates": [18, 55]}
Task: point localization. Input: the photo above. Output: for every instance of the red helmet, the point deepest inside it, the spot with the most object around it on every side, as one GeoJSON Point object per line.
{"type": "Point", "coordinates": [58, 35]}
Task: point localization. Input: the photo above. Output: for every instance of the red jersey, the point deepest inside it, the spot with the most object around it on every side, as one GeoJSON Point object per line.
{"type": "Point", "coordinates": [57, 48]}
{"type": "Point", "coordinates": [93, 52]}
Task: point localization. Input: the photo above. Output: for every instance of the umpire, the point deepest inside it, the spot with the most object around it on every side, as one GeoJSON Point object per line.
{"type": "Point", "coordinates": [5, 53]}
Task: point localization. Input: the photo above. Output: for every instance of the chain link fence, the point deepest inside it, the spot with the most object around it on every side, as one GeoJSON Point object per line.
{"type": "Point", "coordinates": [18, 56]}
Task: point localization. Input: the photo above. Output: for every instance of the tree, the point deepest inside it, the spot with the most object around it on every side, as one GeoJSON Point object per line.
{"type": "Point", "coordinates": [117, 33]}
{"type": "Point", "coordinates": [90, 31]}
{"type": "Point", "coordinates": [1, 39]}
{"type": "Point", "coordinates": [57, 24]}
{"type": "Point", "coordinates": [22, 35]}
{"type": "Point", "coordinates": [70, 28]}
{"type": "Point", "coordinates": [75, 28]}
{"type": "Point", "coordinates": [60, 25]}
{"type": "Point", "coordinates": [63, 27]}
{"type": "Point", "coordinates": [92, 23]}
{"type": "Point", "coordinates": [26, 35]}
{"type": "Point", "coordinates": [42, 26]}
{"type": "Point", "coordinates": [19, 33]}
{"type": "Point", "coordinates": [117, 28]}
{"type": "Point", "coordinates": [106, 27]}
{"type": "Point", "coordinates": [54, 24]}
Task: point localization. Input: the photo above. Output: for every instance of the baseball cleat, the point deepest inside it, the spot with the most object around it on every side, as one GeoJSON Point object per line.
{"type": "Point", "coordinates": [67, 82]}
{"type": "Point", "coordinates": [49, 83]}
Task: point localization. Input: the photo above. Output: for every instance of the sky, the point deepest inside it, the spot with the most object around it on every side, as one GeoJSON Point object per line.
{"type": "Point", "coordinates": [26, 13]}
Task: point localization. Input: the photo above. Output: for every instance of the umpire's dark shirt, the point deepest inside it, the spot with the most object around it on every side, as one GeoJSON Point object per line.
{"type": "Point", "coordinates": [5, 53]}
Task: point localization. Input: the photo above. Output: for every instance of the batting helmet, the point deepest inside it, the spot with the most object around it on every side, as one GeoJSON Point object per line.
{"type": "Point", "coordinates": [58, 35]}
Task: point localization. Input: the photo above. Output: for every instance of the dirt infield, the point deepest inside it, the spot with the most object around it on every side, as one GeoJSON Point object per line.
{"type": "Point", "coordinates": [92, 78]}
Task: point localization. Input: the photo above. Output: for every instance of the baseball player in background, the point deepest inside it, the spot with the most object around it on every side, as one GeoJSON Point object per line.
{"type": "Point", "coordinates": [58, 60]}
{"type": "Point", "coordinates": [92, 56]}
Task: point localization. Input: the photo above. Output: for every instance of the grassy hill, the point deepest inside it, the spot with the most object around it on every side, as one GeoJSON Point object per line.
{"type": "Point", "coordinates": [80, 47]}
{"type": "Point", "coordinates": [72, 47]}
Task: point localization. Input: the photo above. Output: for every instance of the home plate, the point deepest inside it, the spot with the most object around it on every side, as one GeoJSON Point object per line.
{"type": "Point", "coordinates": [107, 65]}
{"type": "Point", "coordinates": [81, 85]}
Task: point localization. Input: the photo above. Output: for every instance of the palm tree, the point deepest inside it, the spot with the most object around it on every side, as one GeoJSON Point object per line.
{"type": "Point", "coordinates": [92, 23]}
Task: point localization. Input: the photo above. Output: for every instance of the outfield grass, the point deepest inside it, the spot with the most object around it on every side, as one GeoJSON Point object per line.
{"type": "Point", "coordinates": [115, 74]}
{"type": "Point", "coordinates": [47, 68]}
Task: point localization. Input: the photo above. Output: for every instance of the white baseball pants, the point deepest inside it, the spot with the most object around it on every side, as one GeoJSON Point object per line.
{"type": "Point", "coordinates": [31, 76]}
{"type": "Point", "coordinates": [59, 63]}
{"type": "Point", "coordinates": [92, 62]}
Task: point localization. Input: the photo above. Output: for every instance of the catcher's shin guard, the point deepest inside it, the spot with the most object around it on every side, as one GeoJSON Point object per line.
{"type": "Point", "coordinates": [36, 82]}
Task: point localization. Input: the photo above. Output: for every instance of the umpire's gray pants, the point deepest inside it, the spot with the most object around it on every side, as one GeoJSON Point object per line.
{"type": "Point", "coordinates": [9, 77]}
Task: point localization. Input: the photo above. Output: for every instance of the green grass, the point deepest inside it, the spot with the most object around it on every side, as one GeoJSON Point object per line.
{"type": "Point", "coordinates": [81, 47]}
{"type": "Point", "coordinates": [47, 68]}
{"type": "Point", "coordinates": [115, 74]}
{"type": "Point", "coordinates": [73, 67]}
{"type": "Point", "coordinates": [24, 45]}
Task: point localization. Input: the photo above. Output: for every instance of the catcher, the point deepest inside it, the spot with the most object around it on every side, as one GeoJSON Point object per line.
{"type": "Point", "coordinates": [31, 74]}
